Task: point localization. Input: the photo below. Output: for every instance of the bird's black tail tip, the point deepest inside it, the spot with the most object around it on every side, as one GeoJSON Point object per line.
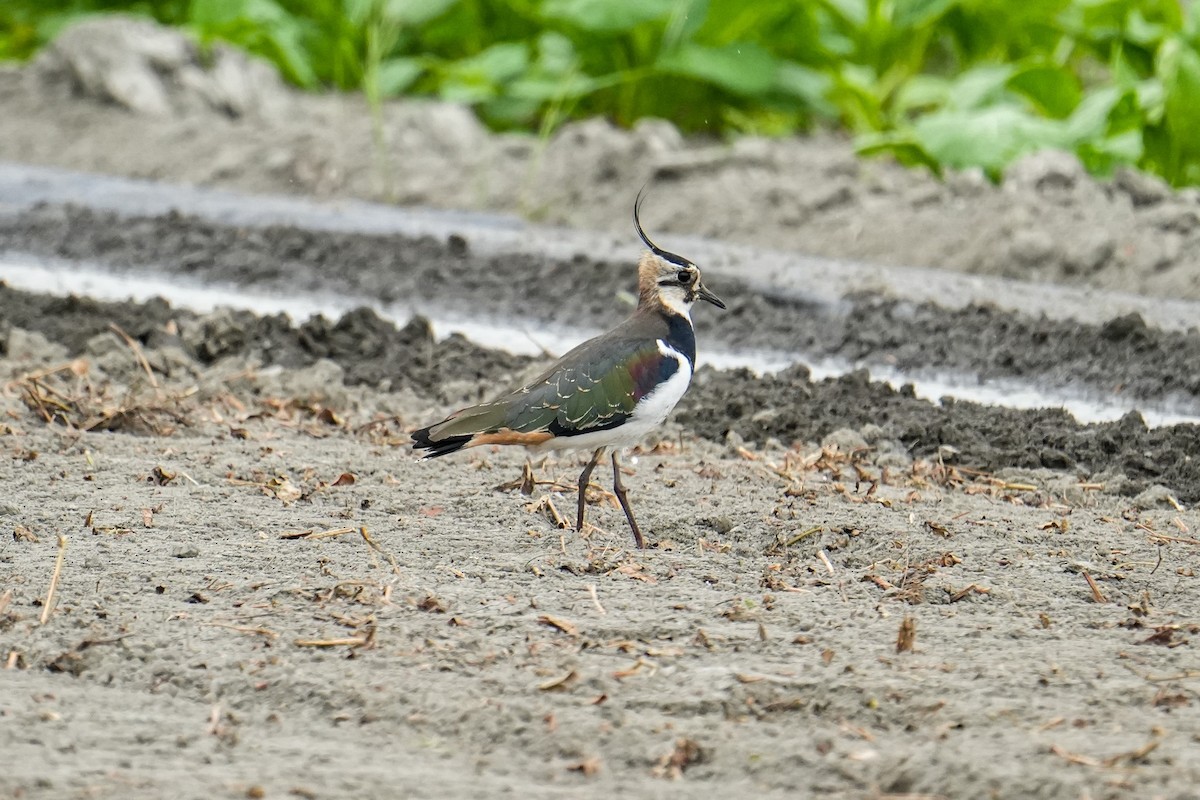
{"type": "Point", "coordinates": [422, 441]}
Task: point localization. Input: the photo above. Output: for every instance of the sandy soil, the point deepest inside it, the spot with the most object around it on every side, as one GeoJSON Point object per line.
{"type": "Point", "coordinates": [470, 646]}
{"type": "Point", "coordinates": [850, 593]}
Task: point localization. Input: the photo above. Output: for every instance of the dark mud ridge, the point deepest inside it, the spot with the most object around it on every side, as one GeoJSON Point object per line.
{"type": "Point", "coordinates": [444, 277]}
{"type": "Point", "coordinates": [788, 406]}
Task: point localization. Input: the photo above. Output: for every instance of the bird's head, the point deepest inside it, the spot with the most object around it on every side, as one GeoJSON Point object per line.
{"type": "Point", "coordinates": [668, 279]}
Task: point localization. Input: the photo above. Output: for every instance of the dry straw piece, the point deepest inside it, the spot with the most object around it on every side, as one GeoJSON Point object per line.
{"type": "Point", "coordinates": [58, 563]}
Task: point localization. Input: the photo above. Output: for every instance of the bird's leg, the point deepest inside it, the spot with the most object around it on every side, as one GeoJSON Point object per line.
{"type": "Point", "coordinates": [585, 478]}
{"type": "Point", "coordinates": [619, 488]}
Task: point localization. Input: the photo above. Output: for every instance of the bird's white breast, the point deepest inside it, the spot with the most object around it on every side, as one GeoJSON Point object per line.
{"type": "Point", "coordinates": [656, 405]}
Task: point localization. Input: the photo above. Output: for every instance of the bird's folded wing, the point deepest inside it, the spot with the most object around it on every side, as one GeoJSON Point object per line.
{"type": "Point", "coordinates": [592, 388]}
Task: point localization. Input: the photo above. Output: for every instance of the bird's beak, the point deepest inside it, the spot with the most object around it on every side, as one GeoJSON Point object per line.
{"type": "Point", "coordinates": [704, 294]}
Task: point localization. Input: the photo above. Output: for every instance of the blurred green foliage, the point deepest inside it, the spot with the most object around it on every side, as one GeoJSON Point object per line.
{"type": "Point", "coordinates": [945, 83]}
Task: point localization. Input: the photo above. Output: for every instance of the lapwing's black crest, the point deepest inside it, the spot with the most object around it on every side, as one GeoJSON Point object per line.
{"type": "Point", "coordinates": [609, 392]}
{"type": "Point", "coordinates": [658, 251]}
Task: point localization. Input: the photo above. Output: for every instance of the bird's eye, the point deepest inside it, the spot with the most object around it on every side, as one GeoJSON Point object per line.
{"type": "Point", "coordinates": [684, 276]}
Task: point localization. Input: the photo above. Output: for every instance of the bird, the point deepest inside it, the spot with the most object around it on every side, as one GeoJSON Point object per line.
{"type": "Point", "coordinates": [606, 394]}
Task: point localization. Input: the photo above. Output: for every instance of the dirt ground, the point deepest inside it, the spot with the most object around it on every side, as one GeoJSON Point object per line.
{"type": "Point", "coordinates": [222, 625]}
{"type": "Point", "coordinates": [222, 574]}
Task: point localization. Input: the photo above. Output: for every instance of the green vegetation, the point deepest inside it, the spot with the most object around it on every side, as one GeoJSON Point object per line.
{"type": "Point", "coordinates": [937, 82]}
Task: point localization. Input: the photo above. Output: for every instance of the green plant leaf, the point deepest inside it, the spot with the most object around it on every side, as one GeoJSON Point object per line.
{"type": "Point", "coordinates": [1140, 30]}
{"type": "Point", "coordinates": [544, 89]}
{"type": "Point", "coordinates": [415, 12]}
{"type": "Point", "coordinates": [772, 123]}
{"type": "Point", "coordinates": [498, 63]}
{"type": "Point", "coordinates": [400, 12]}
{"type": "Point", "coordinates": [1102, 155]}
{"type": "Point", "coordinates": [990, 137]}
{"type": "Point", "coordinates": [556, 53]}
{"type": "Point", "coordinates": [509, 111]}
{"type": "Point", "coordinates": [360, 11]}
{"type": "Point", "coordinates": [1103, 17]}
{"type": "Point", "coordinates": [606, 16]}
{"type": "Point", "coordinates": [922, 92]}
{"type": "Point", "coordinates": [805, 84]}
{"type": "Point", "coordinates": [848, 13]}
{"type": "Point", "coordinates": [1055, 91]}
{"type": "Point", "coordinates": [397, 74]}
{"type": "Point", "coordinates": [1152, 99]}
{"type": "Point", "coordinates": [1179, 70]}
{"type": "Point", "coordinates": [1090, 119]}
{"type": "Point", "coordinates": [900, 146]}
{"type": "Point", "coordinates": [915, 13]}
{"type": "Point", "coordinates": [742, 68]}
{"type": "Point", "coordinates": [555, 75]}
{"type": "Point", "coordinates": [261, 26]}
{"type": "Point", "coordinates": [857, 97]}
{"type": "Point", "coordinates": [1126, 147]}
{"type": "Point", "coordinates": [978, 87]}
{"type": "Point", "coordinates": [215, 13]}
{"type": "Point", "coordinates": [1127, 113]}
{"type": "Point", "coordinates": [480, 77]}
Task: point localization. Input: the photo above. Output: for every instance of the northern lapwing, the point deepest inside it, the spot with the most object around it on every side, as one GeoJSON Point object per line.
{"type": "Point", "coordinates": [609, 392]}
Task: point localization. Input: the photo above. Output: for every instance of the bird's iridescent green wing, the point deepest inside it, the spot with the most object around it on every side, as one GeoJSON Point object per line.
{"type": "Point", "coordinates": [592, 388]}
